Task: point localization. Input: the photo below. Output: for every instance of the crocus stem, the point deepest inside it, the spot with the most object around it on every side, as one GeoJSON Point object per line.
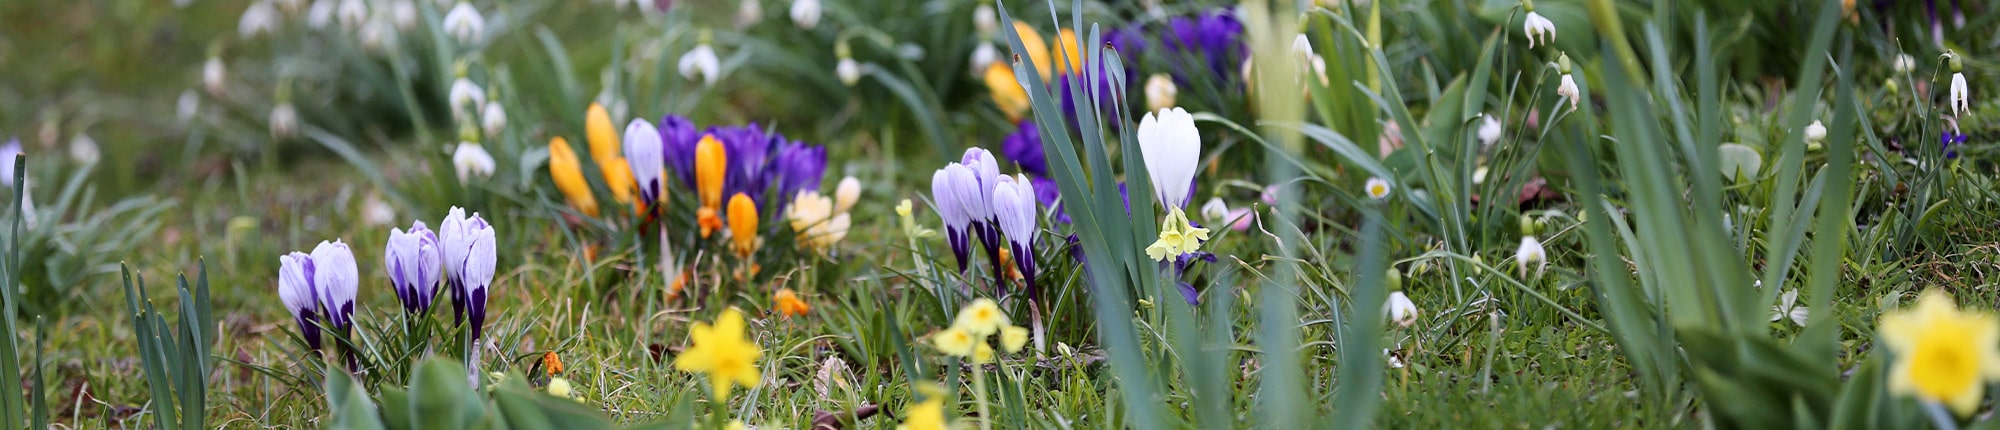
{"type": "Point", "coordinates": [979, 395]}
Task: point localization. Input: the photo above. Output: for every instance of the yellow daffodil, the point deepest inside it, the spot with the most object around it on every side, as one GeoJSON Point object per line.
{"type": "Point", "coordinates": [1012, 338]}
{"type": "Point", "coordinates": [1942, 354]}
{"type": "Point", "coordinates": [743, 224]}
{"type": "Point", "coordinates": [1065, 53]}
{"type": "Point", "coordinates": [954, 342]}
{"type": "Point", "coordinates": [1038, 51]}
{"type": "Point", "coordinates": [720, 351]}
{"type": "Point", "coordinates": [925, 415]}
{"type": "Point", "coordinates": [1006, 91]}
{"type": "Point", "coordinates": [982, 317]}
{"type": "Point", "coordinates": [789, 304]}
{"type": "Point", "coordinates": [568, 174]}
{"type": "Point", "coordinates": [710, 161]}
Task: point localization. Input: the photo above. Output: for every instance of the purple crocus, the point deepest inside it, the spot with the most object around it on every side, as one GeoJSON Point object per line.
{"type": "Point", "coordinates": [758, 161]}
{"type": "Point", "coordinates": [1212, 39]}
{"type": "Point", "coordinates": [678, 137]}
{"type": "Point", "coordinates": [1024, 148]}
{"type": "Point", "coordinates": [796, 167]}
{"type": "Point", "coordinates": [295, 288]}
{"type": "Point", "coordinates": [337, 279]}
{"type": "Point", "coordinates": [949, 187]}
{"type": "Point", "coordinates": [1014, 209]}
{"type": "Point", "coordinates": [415, 264]}
{"type": "Point", "coordinates": [749, 149]}
{"type": "Point", "coordinates": [1949, 140]}
{"type": "Point", "coordinates": [469, 264]}
{"type": "Point", "coordinates": [984, 223]}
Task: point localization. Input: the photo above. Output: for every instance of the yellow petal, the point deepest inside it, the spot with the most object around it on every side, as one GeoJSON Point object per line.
{"type": "Point", "coordinates": [1006, 91]}
{"type": "Point", "coordinates": [1013, 338]}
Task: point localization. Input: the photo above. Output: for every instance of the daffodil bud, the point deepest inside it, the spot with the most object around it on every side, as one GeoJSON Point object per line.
{"type": "Point", "coordinates": [415, 263]}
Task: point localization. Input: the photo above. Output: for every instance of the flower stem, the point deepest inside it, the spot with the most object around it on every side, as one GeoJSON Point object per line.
{"type": "Point", "coordinates": [979, 396]}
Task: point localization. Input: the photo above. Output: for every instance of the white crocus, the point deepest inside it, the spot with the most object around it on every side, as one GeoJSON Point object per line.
{"type": "Point", "coordinates": [1400, 309]}
{"type": "Point", "coordinates": [848, 71]}
{"type": "Point", "coordinates": [985, 20]}
{"type": "Point", "coordinates": [465, 24]}
{"type": "Point", "coordinates": [471, 161]}
{"type": "Point", "coordinates": [1959, 99]}
{"type": "Point", "coordinates": [1171, 146]}
{"type": "Point", "coordinates": [259, 19]}
{"type": "Point", "coordinates": [846, 194]}
{"type": "Point", "coordinates": [493, 120]}
{"type": "Point", "coordinates": [701, 64]}
{"type": "Point", "coordinates": [1377, 188]}
{"type": "Point", "coordinates": [805, 13]}
{"type": "Point", "coordinates": [1815, 132]}
{"type": "Point", "coordinates": [1539, 29]}
{"type": "Point", "coordinates": [1531, 254]}
{"type": "Point", "coordinates": [1789, 308]}
{"type": "Point", "coordinates": [284, 121]}
{"type": "Point", "coordinates": [466, 97]}
{"type": "Point", "coordinates": [1160, 92]}
{"type": "Point", "coordinates": [1489, 130]}
{"type": "Point", "coordinates": [214, 76]}
{"type": "Point", "coordinates": [984, 56]}
{"type": "Point", "coordinates": [1568, 90]}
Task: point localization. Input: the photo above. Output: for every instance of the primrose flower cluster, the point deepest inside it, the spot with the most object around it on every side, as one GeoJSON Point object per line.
{"type": "Point", "coordinates": [320, 288]}
{"type": "Point", "coordinates": [967, 336]}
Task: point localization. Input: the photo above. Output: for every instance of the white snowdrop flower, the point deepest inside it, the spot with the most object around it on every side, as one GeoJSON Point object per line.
{"type": "Point", "coordinates": [188, 105]}
{"type": "Point", "coordinates": [1539, 29]}
{"type": "Point", "coordinates": [352, 14]}
{"type": "Point", "coordinates": [214, 76]}
{"type": "Point", "coordinates": [1160, 92]}
{"type": "Point", "coordinates": [985, 20]}
{"type": "Point", "coordinates": [1531, 254]}
{"type": "Point", "coordinates": [1215, 211]}
{"type": "Point", "coordinates": [403, 14]}
{"type": "Point", "coordinates": [466, 96]}
{"type": "Point", "coordinates": [983, 56]}
{"type": "Point", "coordinates": [465, 24]}
{"type": "Point", "coordinates": [1400, 309]}
{"type": "Point", "coordinates": [377, 36]}
{"type": "Point", "coordinates": [848, 71]}
{"type": "Point", "coordinates": [284, 121]}
{"type": "Point", "coordinates": [1959, 99]}
{"type": "Point", "coordinates": [1489, 130]}
{"type": "Point", "coordinates": [1789, 308]}
{"type": "Point", "coordinates": [493, 119]}
{"type": "Point", "coordinates": [259, 19]}
{"type": "Point", "coordinates": [376, 212]}
{"type": "Point", "coordinates": [805, 13]}
{"type": "Point", "coordinates": [1302, 47]}
{"type": "Point", "coordinates": [320, 14]}
{"type": "Point", "coordinates": [471, 161]}
{"type": "Point", "coordinates": [701, 64]}
{"type": "Point", "coordinates": [83, 149]}
{"type": "Point", "coordinates": [749, 13]}
{"type": "Point", "coordinates": [290, 7]}
{"type": "Point", "coordinates": [1569, 91]}
{"type": "Point", "coordinates": [1377, 188]}
{"type": "Point", "coordinates": [1815, 132]}
{"type": "Point", "coordinates": [1319, 69]}
{"type": "Point", "coordinates": [1904, 63]}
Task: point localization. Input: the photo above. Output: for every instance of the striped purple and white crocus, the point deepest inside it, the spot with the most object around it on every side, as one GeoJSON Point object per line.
{"type": "Point", "coordinates": [953, 189]}
{"type": "Point", "coordinates": [469, 263]}
{"type": "Point", "coordinates": [337, 278]}
{"type": "Point", "coordinates": [1015, 210]}
{"type": "Point", "coordinates": [295, 288]}
{"type": "Point", "coordinates": [415, 262]}
{"type": "Point", "coordinates": [984, 221]}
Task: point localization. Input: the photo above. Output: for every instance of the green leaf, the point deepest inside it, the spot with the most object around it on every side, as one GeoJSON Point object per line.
{"type": "Point", "coordinates": [440, 397]}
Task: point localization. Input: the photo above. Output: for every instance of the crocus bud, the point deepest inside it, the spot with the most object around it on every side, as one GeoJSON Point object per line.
{"type": "Point", "coordinates": [743, 224]}
{"type": "Point", "coordinates": [465, 24]}
{"type": "Point", "coordinates": [295, 288]}
{"type": "Point", "coordinates": [567, 171]}
{"type": "Point", "coordinates": [950, 184]}
{"type": "Point", "coordinates": [469, 262]}
{"type": "Point", "coordinates": [644, 152]}
{"type": "Point", "coordinates": [337, 278]}
{"type": "Point", "coordinates": [1015, 212]}
{"type": "Point", "coordinates": [1160, 92]}
{"type": "Point", "coordinates": [710, 162]}
{"type": "Point", "coordinates": [846, 194]}
{"type": "Point", "coordinates": [415, 263]}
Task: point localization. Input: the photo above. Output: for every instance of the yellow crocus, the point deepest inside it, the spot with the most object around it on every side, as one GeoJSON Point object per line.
{"type": "Point", "coordinates": [1065, 52]}
{"type": "Point", "coordinates": [720, 351]}
{"type": "Point", "coordinates": [1037, 50]}
{"type": "Point", "coordinates": [601, 134]}
{"type": "Point", "coordinates": [743, 224]}
{"type": "Point", "coordinates": [710, 161]}
{"type": "Point", "coordinates": [1006, 91]}
{"type": "Point", "coordinates": [568, 173]}
{"type": "Point", "coordinates": [618, 176]}
{"type": "Point", "coordinates": [1942, 354]}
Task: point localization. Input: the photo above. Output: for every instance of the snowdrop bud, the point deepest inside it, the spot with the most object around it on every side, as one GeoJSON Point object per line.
{"type": "Point", "coordinates": [403, 14]}
{"type": "Point", "coordinates": [415, 262]}
{"type": "Point", "coordinates": [985, 20]}
{"type": "Point", "coordinates": [494, 119]}
{"type": "Point", "coordinates": [1815, 132]}
{"type": "Point", "coordinates": [748, 13]}
{"type": "Point", "coordinates": [1904, 63]}
{"type": "Point", "coordinates": [83, 149]}
{"type": "Point", "coordinates": [465, 24]}
{"type": "Point", "coordinates": [352, 13]}
{"type": "Point", "coordinates": [1302, 47]}
{"type": "Point", "coordinates": [320, 14]}
{"type": "Point", "coordinates": [472, 162]}
{"type": "Point", "coordinates": [284, 121]}
{"type": "Point", "coordinates": [1215, 211]}
{"type": "Point", "coordinates": [466, 97]}
{"type": "Point", "coordinates": [259, 19]}
{"type": "Point", "coordinates": [1489, 130]}
{"type": "Point", "coordinates": [337, 278]}
{"type": "Point", "coordinates": [805, 13]}
{"type": "Point", "coordinates": [848, 71]}
{"type": "Point", "coordinates": [1171, 145]}
{"type": "Point", "coordinates": [214, 76]}
{"type": "Point", "coordinates": [1377, 188]}
{"type": "Point", "coordinates": [1160, 92]}
{"type": "Point", "coordinates": [846, 194]}
{"type": "Point", "coordinates": [701, 64]}
{"type": "Point", "coordinates": [1400, 309]}
{"type": "Point", "coordinates": [1531, 254]}
{"type": "Point", "coordinates": [295, 289]}
{"type": "Point", "coordinates": [187, 106]}
{"type": "Point", "coordinates": [983, 57]}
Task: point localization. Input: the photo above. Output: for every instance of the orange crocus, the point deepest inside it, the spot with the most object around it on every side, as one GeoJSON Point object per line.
{"type": "Point", "coordinates": [567, 171]}
{"type": "Point", "coordinates": [743, 224]}
{"type": "Point", "coordinates": [551, 363]}
{"type": "Point", "coordinates": [789, 304]}
{"type": "Point", "coordinates": [710, 159]}
{"type": "Point", "coordinates": [1006, 91]}
{"type": "Point", "coordinates": [1038, 51]}
{"type": "Point", "coordinates": [1065, 54]}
